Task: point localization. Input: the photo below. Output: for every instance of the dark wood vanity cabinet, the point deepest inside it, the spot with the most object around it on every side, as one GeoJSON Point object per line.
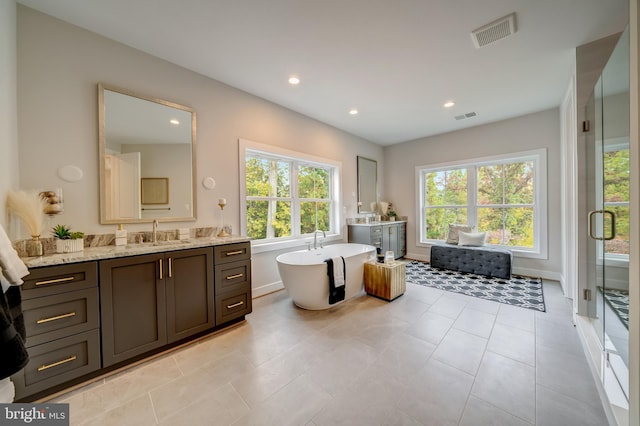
{"type": "Point", "coordinates": [232, 281]}
{"type": "Point", "coordinates": [61, 312]}
{"type": "Point", "coordinates": [86, 318]}
{"type": "Point", "coordinates": [151, 300]}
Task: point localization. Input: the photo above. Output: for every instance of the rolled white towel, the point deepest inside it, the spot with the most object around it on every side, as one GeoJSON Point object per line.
{"type": "Point", "coordinates": [338, 271]}
{"type": "Point", "coordinates": [12, 267]}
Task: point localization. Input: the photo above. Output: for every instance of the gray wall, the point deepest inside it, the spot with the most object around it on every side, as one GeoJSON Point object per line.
{"type": "Point", "coordinates": [533, 131]}
{"type": "Point", "coordinates": [60, 66]}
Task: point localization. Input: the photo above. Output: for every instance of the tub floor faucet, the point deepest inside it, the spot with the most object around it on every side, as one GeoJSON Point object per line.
{"type": "Point", "coordinates": [315, 235]}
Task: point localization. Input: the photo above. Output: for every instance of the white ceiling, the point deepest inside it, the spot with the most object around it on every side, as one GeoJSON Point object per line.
{"type": "Point", "coordinates": [396, 61]}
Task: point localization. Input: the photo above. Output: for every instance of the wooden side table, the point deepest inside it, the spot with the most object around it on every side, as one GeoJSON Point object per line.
{"type": "Point", "coordinates": [385, 281]}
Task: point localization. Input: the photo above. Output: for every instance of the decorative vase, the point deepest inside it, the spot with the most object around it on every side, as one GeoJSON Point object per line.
{"type": "Point", "coordinates": [69, 246]}
{"type": "Point", "coordinates": [34, 246]}
{"type": "Point", "coordinates": [384, 207]}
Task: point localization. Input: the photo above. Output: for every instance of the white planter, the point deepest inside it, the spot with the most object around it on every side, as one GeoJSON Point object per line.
{"type": "Point", "coordinates": [69, 246]}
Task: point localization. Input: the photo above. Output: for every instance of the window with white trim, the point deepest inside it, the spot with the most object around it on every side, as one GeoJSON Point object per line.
{"type": "Point", "coordinates": [287, 195]}
{"type": "Point", "coordinates": [503, 196]}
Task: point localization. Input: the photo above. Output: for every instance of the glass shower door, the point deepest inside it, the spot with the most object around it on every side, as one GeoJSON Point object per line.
{"type": "Point", "coordinates": [607, 159]}
{"type": "Point", "coordinates": [614, 181]}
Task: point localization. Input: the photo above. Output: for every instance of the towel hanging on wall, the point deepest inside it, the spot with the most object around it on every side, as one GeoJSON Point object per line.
{"type": "Point", "coordinates": [13, 269]}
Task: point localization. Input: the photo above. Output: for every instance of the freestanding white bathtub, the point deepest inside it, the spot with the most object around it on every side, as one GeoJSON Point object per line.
{"type": "Point", "coordinates": [304, 273]}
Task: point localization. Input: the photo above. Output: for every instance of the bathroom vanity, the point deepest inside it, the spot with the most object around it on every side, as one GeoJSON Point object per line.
{"type": "Point", "coordinates": [387, 236]}
{"type": "Point", "coordinates": [92, 312]}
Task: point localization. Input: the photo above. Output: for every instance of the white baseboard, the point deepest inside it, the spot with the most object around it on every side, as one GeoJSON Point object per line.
{"type": "Point", "coordinates": [545, 275]}
{"type": "Point", "coordinates": [416, 256]}
{"type": "Point", "coordinates": [266, 289]}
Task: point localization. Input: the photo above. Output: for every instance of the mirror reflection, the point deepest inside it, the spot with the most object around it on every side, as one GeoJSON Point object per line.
{"type": "Point", "coordinates": [367, 185]}
{"type": "Point", "coordinates": [147, 168]}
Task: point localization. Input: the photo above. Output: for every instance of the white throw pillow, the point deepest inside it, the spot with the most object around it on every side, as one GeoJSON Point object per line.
{"type": "Point", "coordinates": [452, 238]}
{"type": "Point", "coordinates": [471, 238]}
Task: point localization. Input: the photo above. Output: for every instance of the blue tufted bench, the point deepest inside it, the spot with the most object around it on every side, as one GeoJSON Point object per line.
{"type": "Point", "coordinates": [476, 260]}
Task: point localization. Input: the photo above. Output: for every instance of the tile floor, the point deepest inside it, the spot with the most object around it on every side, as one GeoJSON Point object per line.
{"type": "Point", "coordinates": [427, 358]}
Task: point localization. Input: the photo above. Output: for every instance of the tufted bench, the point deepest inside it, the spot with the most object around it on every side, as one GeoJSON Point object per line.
{"type": "Point", "coordinates": [476, 260]}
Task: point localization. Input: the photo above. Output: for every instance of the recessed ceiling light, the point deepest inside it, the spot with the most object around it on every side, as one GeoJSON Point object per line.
{"type": "Point", "coordinates": [174, 121]}
{"type": "Point", "coordinates": [294, 80]}
{"type": "Point", "coordinates": [449, 104]}
{"type": "Point", "coordinates": [353, 111]}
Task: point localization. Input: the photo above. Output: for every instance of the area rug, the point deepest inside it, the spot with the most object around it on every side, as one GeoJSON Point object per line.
{"type": "Point", "coordinates": [519, 291]}
{"type": "Point", "coordinates": [618, 300]}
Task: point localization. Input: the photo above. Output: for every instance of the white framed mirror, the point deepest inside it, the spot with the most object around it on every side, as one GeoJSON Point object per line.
{"type": "Point", "coordinates": [145, 140]}
{"type": "Point", "coordinates": [367, 185]}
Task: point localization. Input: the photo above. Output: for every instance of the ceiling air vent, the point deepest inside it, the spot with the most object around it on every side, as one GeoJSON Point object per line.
{"type": "Point", "coordinates": [463, 116]}
{"type": "Point", "coordinates": [494, 31]}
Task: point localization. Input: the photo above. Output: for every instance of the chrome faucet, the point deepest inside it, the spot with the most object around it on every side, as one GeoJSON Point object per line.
{"type": "Point", "coordinates": [154, 236]}
{"type": "Point", "coordinates": [315, 235]}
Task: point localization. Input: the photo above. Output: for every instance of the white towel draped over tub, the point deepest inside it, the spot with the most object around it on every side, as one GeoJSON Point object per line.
{"type": "Point", "coordinates": [336, 271]}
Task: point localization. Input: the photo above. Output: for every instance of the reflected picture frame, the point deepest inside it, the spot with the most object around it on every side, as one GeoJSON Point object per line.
{"type": "Point", "coordinates": [154, 190]}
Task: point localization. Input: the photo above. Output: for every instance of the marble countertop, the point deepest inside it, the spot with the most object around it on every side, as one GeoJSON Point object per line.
{"type": "Point", "coordinates": [110, 252]}
{"type": "Point", "coordinates": [383, 222]}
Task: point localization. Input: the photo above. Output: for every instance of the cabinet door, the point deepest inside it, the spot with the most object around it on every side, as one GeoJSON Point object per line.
{"type": "Point", "coordinates": [189, 280]}
{"type": "Point", "coordinates": [402, 240]}
{"type": "Point", "coordinates": [133, 306]}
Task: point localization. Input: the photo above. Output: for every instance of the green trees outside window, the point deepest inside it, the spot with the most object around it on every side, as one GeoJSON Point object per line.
{"type": "Point", "coordinates": [616, 198]}
{"type": "Point", "coordinates": [286, 197]}
{"type": "Point", "coordinates": [505, 203]}
{"type": "Point", "coordinates": [497, 197]}
{"type": "Point", "coordinates": [446, 201]}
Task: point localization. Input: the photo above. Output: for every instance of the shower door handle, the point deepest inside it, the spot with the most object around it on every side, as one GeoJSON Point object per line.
{"type": "Point", "coordinates": [613, 224]}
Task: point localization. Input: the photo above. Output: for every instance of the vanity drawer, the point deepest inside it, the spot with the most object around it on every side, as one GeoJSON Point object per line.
{"type": "Point", "coordinates": [232, 306]}
{"type": "Point", "coordinates": [51, 280]}
{"type": "Point", "coordinates": [233, 277]}
{"type": "Point", "coordinates": [60, 315]}
{"type": "Point", "coordinates": [57, 362]}
{"type": "Point", "coordinates": [376, 232]}
{"type": "Point", "coordinates": [231, 252]}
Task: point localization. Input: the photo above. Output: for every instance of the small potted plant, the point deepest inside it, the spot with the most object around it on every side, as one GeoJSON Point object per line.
{"type": "Point", "coordinates": [66, 240]}
{"type": "Point", "coordinates": [392, 215]}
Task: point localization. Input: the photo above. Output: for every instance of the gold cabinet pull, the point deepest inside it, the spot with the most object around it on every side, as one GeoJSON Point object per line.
{"type": "Point", "coordinates": [232, 277]}
{"type": "Point", "coordinates": [55, 364]}
{"type": "Point", "coordinates": [56, 281]}
{"type": "Point", "coordinates": [59, 317]}
{"type": "Point", "coordinates": [170, 267]}
{"type": "Point", "coordinates": [161, 268]}
{"type": "Point", "coordinates": [240, 303]}
{"type": "Point", "coordinates": [233, 253]}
